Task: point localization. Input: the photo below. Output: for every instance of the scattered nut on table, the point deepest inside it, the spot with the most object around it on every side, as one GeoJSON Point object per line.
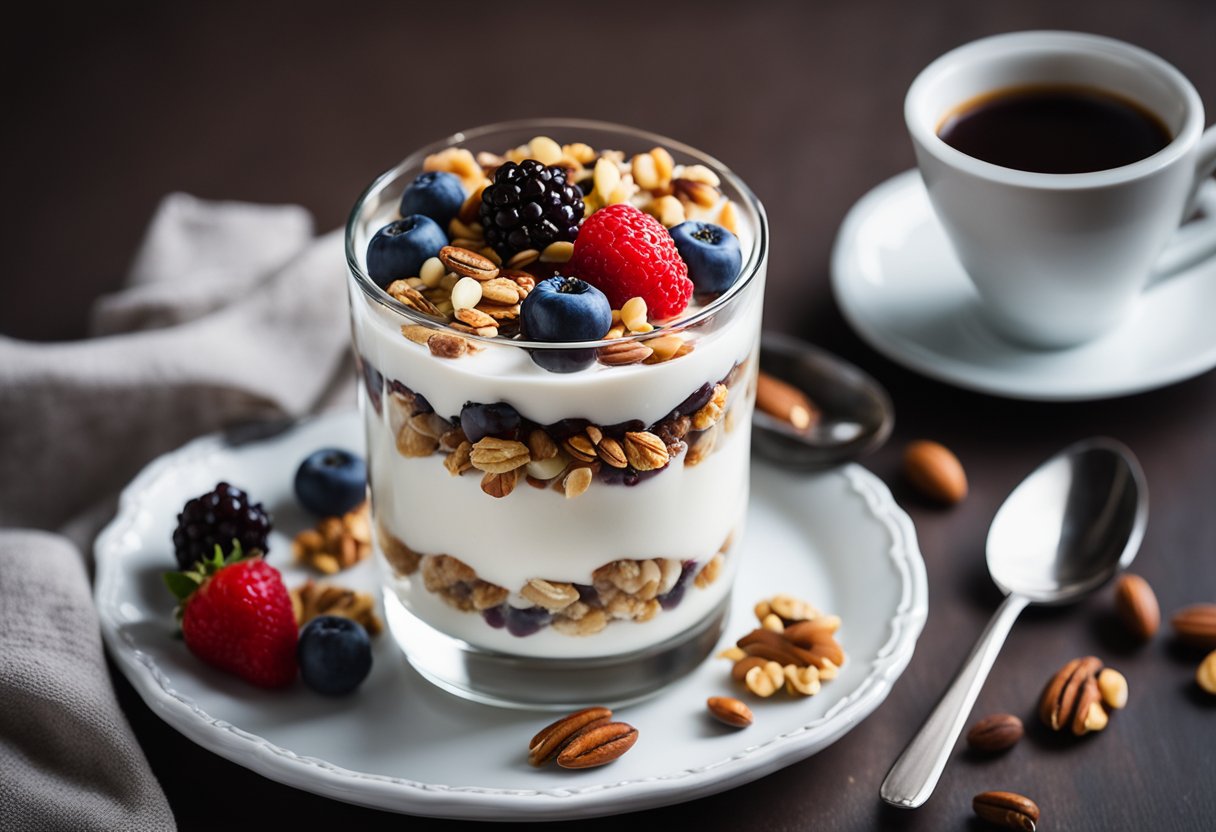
{"type": "Point", "coordinates": [1196, 625]}
{"type": "Point", "coordinates": [1007, 810]}
{"type": "Point", "coordinates": [1136, 605]}
{"type": "Point", "coordinates": [997, 732]}
{"type": "Point", "coordinates": [935, 471]}
{"type": "Point", "coordinates": [1074, 699]}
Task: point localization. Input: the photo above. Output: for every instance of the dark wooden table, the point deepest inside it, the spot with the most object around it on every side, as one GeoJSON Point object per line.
{"type": "Point", "coordinates": [113, 105]}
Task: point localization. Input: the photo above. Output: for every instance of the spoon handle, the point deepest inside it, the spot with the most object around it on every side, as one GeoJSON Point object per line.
{"type": "Point", "coordinates": [916, 772]}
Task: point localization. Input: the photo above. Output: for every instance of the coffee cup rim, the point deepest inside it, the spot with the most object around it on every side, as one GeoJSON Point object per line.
{"type": "Point", "coordinates": [925, 133]}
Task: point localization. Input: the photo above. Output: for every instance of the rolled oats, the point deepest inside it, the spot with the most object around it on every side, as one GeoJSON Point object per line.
{"type": "Point", "coordinates": [551, 596]}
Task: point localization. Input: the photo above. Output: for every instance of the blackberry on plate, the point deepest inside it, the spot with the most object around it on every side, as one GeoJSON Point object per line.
{"type": "Point", "coordinates": [217, 518]}
{"type": "Point", "coordinates": [529, 205]}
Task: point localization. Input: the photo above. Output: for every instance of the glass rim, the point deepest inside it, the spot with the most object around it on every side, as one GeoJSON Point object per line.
{"type": "Point", "coordinates": [752, 265]}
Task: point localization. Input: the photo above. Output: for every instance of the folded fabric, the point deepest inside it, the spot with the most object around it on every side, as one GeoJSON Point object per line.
{"type": "Point", "coordinates": [79, 419]}
{"type": "Point", "coordinates": [68, 759]}
{"type": "Point", "coordinates": [233, 313]}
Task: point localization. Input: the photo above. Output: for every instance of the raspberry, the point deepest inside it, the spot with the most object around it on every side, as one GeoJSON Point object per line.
{"type": "Point", "coordinates": [625, 253]}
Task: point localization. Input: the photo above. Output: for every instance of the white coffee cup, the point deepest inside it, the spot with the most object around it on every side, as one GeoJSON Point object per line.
{"type": "Point", "coordinates": [1059, 259]}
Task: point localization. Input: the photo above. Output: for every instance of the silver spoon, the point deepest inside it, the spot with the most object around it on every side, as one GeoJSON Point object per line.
{"type": "Point", "coordinates": [855, 412]}
{"type": "Point", "coordinates": [1065, 531]}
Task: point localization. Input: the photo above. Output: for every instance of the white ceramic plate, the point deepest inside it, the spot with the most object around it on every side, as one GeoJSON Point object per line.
{"type": "Point", "coordinates": [900, 286]}
{"type": "Point", "coordinates": [836, 539]}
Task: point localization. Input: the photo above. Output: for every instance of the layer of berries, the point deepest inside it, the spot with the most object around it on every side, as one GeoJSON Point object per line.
{"type": "Point", "coordinates": [636, 229]}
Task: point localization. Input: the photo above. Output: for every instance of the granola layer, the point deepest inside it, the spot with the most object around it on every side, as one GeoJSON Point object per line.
{"type": "Point", "coordinates": [628, 591]}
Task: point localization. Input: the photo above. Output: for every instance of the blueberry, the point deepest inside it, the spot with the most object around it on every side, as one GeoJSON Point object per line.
{"type": "Point", "coordinates": [672, 598]}
{"type": "Point", "coordinates": [565, 309]}
{"type": "Point", "coordinates": [711, 252]}
{"type": "Point", "coordinates": [331, 481]}
{"type": "Point", "coordinates": [524, 621]}
{"type": "Point", "coordinates": [496, 617]}
{"type": "Point", "coordinates": [436, 194]}
{"type": "Point", "coordinates": [498, 419]}
{"type": "Point", "coordinates": [563, 360]}
{"type": "Point", "coordinates": [399, 249]}
{"type": "Point", "coordinates": [335, 654]}
{"type": "Point", "coordinates": [696, 400]}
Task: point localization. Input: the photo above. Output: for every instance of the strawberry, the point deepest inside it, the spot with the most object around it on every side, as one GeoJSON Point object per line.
{"type": "Point", "coordinates": [625, 253]}
{"type": "Point", "coordinates": [236, 615]}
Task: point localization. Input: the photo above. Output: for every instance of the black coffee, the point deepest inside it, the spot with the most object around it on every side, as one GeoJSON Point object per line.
{"type": "Point", "coordinates": [1054, 129]}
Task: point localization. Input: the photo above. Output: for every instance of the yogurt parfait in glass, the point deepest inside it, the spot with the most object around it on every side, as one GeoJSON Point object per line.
{"type": "Point", "coordinates": [556, 323]}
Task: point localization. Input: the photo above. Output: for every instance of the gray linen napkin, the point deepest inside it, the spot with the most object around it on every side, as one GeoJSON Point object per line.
{"type": "Point", "coordinates": [233, 313]}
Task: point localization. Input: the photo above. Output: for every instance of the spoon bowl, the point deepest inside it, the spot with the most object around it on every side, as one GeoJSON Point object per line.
{"type": "Point", "coordinates": [1071, 525]}
{"type": "Point", "coordinates": [1066, 530]}
{"type": "Point", "coordinates": [856, 414]}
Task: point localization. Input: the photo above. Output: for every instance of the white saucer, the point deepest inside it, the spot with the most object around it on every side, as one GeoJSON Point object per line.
{"type": "Point", "coordinates": [902, 289]}
{"type": "Point", "coordinates": [836, 539]}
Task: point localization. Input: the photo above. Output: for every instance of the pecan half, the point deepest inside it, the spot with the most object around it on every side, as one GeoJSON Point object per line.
{"type": "Point", "coordinates": [1007, 810]}
{"type": "Point", "coordinates": [1196, 625]}
{"type": "Point", "coordinates": [553, 737]}
{"type": "Point", "coordinates": [598, 745]}
{"type": "Point", "coordinates": [626, 352]}
{"type": "Point", "coordinates": [1067, 697]}
{"type": "Point", "coordinates": [467, 263]}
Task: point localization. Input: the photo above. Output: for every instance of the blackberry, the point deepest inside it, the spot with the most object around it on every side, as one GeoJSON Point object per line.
{"type": "Point", "coordinates": [219, 517]}
{"type": "Point", "coordinates": [529, 205]}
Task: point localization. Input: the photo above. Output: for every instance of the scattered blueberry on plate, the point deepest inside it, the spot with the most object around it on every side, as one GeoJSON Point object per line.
{"type": "Point", "coordinates": [565, 309]}
{"type": "Point", "coordinates": [331, 481]}
{"type": "Point", "coordinates": [399, 249]}
{"type": "Point", "coordinates": [711, 253]}
{"type": "Point", "coordinates": [436, 194]}
{"type": "Point", "coordinates": [335, 654]}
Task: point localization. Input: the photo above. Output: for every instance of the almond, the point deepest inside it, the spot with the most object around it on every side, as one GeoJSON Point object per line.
{"type": "Point", "coordinates": [785, 402]}
{"type": "Point", "coordinates": [935, 471]}
{"type": "Point", "coordinates": [1137, 606]}
{"type": "Point", "coordinates": [729, 711]}
{"type": "Point", "coordinates": [994, 733]}
{"type": "Point", "coordinates": [1196, 625]}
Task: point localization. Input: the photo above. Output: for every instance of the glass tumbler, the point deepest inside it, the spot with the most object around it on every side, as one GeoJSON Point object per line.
{"type": "Point", "coordinates": [557, 524]}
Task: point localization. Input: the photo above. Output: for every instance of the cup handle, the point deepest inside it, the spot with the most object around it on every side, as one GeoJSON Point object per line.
{"type": "Point", "coordinates": [1195, 241]}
